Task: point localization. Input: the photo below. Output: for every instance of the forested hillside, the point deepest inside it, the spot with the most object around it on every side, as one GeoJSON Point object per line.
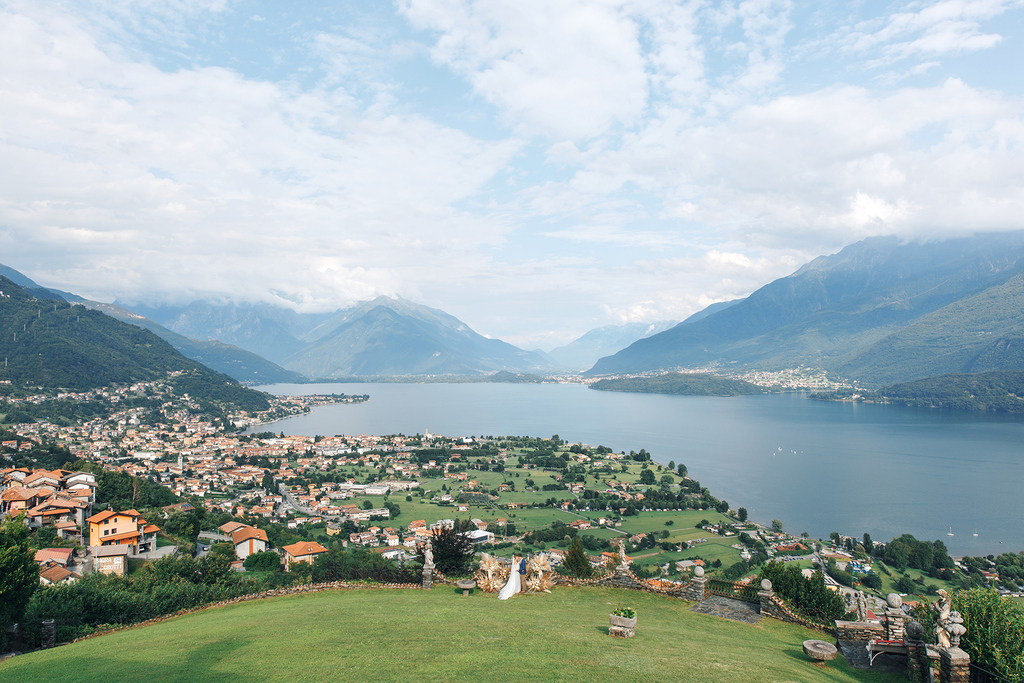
{"type": "Point", "coordinates": [685, 384]}
{"type": "Point", "coordinates": [54, 344]}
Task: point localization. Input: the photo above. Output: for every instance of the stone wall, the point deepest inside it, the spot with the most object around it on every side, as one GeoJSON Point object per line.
{"type": "Point", "coordinates": [859, 630]}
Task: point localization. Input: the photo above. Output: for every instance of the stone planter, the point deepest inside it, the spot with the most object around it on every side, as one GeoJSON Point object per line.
{"type": "Point", "coordinates": [623, 622]}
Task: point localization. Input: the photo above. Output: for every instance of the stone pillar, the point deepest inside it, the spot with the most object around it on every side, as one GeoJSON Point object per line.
{"type": "Point", "coordinates": [48, 634]}
{"type": "Point", "coordinates": [894, 617]}
{"type": "Point", "coordinates": [766, 594]}
{"type": "Point", "coordinates": [915, 648]}
{"type": "Point", "coordinates": [428, 579]}
{"type": "Point", "coordinates": [954, 665]}
{"type": "Point", "coordinates": [695, 589]}
{"type": "Point", "coordinates": [14, 638]}
{"type": "Point", "coordinates": [894, 629]}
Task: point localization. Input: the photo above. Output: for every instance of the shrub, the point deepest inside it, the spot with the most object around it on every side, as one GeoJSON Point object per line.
{"type": "Point", "coordinates": [266, 561]}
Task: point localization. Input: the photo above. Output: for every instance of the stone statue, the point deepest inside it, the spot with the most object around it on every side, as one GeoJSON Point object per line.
{"type": "Point", "coordinates": [428, 556]}
{"type": "Point", "coordinates": [942, 621]}
{"type": "Point", "coordinates": [623, 562]}
{"type": "Point", "coordinates": [862, 606]}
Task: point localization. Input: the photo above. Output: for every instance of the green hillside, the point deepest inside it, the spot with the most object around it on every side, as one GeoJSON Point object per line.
{"type": "Point", "coordinates": [53, 344]}
{"type": "Point", "coordinates": [683, 384]}
{"type": "Point", "coordinates": [438, 635]}
{"type": "Point", "coordinates": [997, 391]}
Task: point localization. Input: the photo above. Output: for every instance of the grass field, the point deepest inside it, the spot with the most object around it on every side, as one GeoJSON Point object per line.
{"type": "Point", "coordinates": [440, 636]}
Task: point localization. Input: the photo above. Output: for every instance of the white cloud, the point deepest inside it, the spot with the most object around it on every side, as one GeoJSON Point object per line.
{"type": "Point", "coordinates": [570, 69]}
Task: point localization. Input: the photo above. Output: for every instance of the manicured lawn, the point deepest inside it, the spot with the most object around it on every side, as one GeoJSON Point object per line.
{"type": "Point", "coordinates": [441, 636]}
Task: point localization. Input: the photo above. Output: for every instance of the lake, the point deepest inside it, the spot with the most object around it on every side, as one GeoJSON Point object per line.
{"type": "Point", "coordinates": [817, 466]}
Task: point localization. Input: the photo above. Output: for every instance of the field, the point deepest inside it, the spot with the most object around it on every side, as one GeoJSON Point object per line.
{"type": "Point", "coordinates": [440, 636]}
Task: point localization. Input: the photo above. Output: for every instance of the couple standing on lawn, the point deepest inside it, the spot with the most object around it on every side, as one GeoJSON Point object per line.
{"type": "Point", "coordinates": [515, 579]}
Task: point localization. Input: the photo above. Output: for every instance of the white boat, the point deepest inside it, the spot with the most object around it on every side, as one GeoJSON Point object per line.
{"type": "Point", "coordinates": [950, 531]}
{"type": "Point", "coordinates": [975, 532]}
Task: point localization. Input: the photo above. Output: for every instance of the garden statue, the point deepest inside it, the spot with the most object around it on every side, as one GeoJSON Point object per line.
{"type": "Point", "coordinates": [623, 562]}
{"type": "Point", "coordinates": [942, 620]}
{"type": "Point", "coordinates": [428, 556]}
{"type": "Point", "coordinates": [862, 606]}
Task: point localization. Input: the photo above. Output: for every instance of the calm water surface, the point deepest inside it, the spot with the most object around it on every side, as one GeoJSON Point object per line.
{"type": "Point", "coordinates": [819, 467]}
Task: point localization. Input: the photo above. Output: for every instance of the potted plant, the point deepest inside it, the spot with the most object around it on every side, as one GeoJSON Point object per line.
{"type": "Point", "coordinates": [623, 616]}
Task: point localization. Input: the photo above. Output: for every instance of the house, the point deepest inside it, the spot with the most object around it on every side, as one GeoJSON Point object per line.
{"type": "Point", "coordinates": [60, 556]}
{"type": "Point", "coordinates": [303, 551]}
{"type": "Point", "coordinates": [249, 540]}
{"type": "Point", "coordinates": [230, 527]}
{"type": "Point", "coordinates": [54, 573]}
{"type": "Point", "coordinates": [122, 528]}
{"type": "Point", "coordinates": [111, 559]}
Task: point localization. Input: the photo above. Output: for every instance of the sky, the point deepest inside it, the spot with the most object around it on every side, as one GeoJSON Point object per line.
{"type": "Point", "coordinates": [535, 168]}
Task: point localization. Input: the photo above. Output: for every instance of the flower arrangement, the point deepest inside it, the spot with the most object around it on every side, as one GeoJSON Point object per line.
{"type": "Point", "coordinates": [625, 612]}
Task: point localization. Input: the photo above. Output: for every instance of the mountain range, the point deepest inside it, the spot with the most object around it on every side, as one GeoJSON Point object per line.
{"type": "Point", "coordinates": [879, 311]}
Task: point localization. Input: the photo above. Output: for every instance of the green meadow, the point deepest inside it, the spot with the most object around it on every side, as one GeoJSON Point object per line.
{"type": "Point", "coordinates": [438, 635]}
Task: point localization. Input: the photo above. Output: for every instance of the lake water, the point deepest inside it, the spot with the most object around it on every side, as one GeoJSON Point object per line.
{"type": "Point", "coordinates": [817, 466]}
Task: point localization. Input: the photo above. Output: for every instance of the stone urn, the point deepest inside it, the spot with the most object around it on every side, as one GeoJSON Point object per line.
{"type": "Point", "coordinates": [623, 622]}
{"type": "Point", "coordinates": [466, 585]}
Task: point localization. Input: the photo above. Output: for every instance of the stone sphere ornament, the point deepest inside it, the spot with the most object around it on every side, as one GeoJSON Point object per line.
{"type": "Point", "coordinates": [915, 631]}
{"type": "Point", "coordinates": [894, 600]}
{"type": "Point", "coordinates": [698, 571]}
{"type": "Point", "coordinates": [766, 585]}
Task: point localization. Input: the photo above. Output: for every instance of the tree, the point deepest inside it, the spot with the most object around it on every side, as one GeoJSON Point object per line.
{"type": "Point", "coordinates": [777, 526]}
{"type": "Point", "coordinates": [742, 514]}
{"type": "Point", "coordinates": [682, 470]}
{"type": "Point", "coordinates": [868, 545]}
{"type": "Point", "coordinates": [452, 550]}
{"type": "Point", "coordinates": [647, 477]}
{"type": "Point", "coordinates": [671, 464]}
{"type": "Point", "coordinates": [576, 561]}
{"type": "Point", "coordinates": [19, 574]}
{"type": "Point", "coordinates": [268, 482]}
{"type": "Point", "coordinates": [266, 561]}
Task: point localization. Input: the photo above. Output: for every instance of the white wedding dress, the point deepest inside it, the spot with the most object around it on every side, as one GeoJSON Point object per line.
{"type": "Point", "coordinates": [514, 584]}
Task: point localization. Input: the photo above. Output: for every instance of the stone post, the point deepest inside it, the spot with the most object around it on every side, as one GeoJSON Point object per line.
{"type": "Point", "coordinates": [766, 594]}
{"type": "Point", "coordinates": [954, 665]}
{"type": "Point", "coordinates": [894, 617]}
{"type": "Point", "coordinates": [428, 578]}
{"type": "Point", "coordinates": [695, 589]}
{"type": "Point", "coordinates": [48, 634]}
{"type": "Point", "coordinates": [14, 638]}
{"type": "Point", "coordinates": [915, 648]}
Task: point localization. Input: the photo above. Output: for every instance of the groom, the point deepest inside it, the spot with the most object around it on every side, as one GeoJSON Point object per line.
{"type": "Point", "coordinates": [522, 570]}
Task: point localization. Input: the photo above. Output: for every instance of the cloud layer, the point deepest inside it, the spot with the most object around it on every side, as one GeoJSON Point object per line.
{"type": "Point", "coordinates": [535, 168]}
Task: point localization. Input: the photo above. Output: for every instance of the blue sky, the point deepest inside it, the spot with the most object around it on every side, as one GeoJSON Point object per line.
{"type": "Point", "coordinates": [535, 168]}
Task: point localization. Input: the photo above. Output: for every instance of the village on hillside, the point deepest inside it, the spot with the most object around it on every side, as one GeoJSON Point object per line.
{"type": "Point", "coordinates": [298, 496]}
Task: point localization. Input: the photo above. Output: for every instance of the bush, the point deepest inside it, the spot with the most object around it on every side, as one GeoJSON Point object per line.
{"type": "Point", "coordinates": [266, 561]}
{"type": "Point", "coordinates": [995, 631]}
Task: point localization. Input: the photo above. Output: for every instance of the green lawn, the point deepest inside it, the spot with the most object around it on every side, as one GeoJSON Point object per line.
{"type": "Point", "coordinates": [441, 636]}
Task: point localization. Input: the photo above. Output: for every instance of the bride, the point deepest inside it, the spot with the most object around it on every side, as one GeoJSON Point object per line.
{"type": "Point", "coordinates": [514, 584]}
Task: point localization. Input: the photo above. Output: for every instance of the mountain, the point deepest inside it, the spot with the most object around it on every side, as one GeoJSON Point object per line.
{"type": "Point", "coordinates": [583, 352]}
{"type": "Point", "coordinates": [242, 365]}
{"type": "Point", "coordinates": [388, 336]}
{"type": "Point", "coordinates": [234, 362]}
{"type": "Point", "coordinates": [273, 332]}
{"type": "Point", "coordinates": [881, 311]}
{"type": "Point", "coordinates": [51, 344]}
{"type": "Point", "coordinates": [28, 285]}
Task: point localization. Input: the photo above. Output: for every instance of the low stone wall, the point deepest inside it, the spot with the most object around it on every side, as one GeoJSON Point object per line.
{"type": "Point", "coordinates": [859, 630]}
{"type": "Point", "coordinates": [775, 608]}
